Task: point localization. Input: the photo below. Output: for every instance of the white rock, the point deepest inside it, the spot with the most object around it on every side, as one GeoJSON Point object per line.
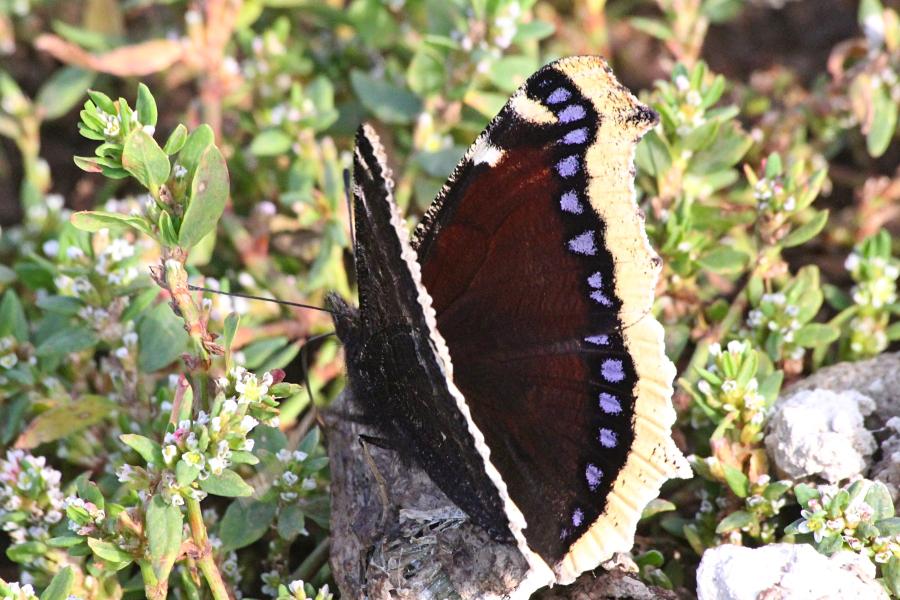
{"type": "Point", "coordinates": [821, 432]}
{"type": "Point", "coordinates": [785, 572]}
{"type": "Point", "coordinates": [887, 471]}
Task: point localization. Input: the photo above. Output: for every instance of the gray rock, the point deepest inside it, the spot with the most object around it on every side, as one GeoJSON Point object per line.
{"type": "Point", "coordinates": [887, 470]}
{"type": "Point", "coordinates": [785, 572]}
{"type": "Point", "coordinates": [821, 432]}
{"type": "Point", "coordinates": [878, 378]}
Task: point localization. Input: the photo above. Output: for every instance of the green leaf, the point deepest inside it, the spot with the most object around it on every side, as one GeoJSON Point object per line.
{"type": "Point", "coordinates": [102, 101]}
{"type": "Point", "coordinates": [164, 533]}
{"type": "Point", "coordinates": [62, 91]}
{"type": "Point", "coordinates": [830, 544]}
{"type": "Point", "coordinates": [651, 558]}
{"type": "Point", "coordinates": [879, 498]}
{"type": "Point", "coordinates": [63, 420]}
{"type": "Point", "coordinates": [59, 586]}
{"type": "Point", "coordinates": [893, 332]}
{"type": "Point", "coordinates": [12, 317]}
{"type": "Point", "coordinates": [209, 192]}
{"type": "Point", "coordinates": [95, 220]}
{"type": "Point", "coordinates": [652, 27]}
{"type": "Point", "coordinates": [390, 103]}
{"type": "Point", "coordinates": [510, 72]}
{"type": "Point", "coordinates": [149, 450]}
{"type": "Point", "coordinates": [807, 231]}
{"type": "Point", "coordinates": [167, 235]}
{"type": "Point", "coordinates": [723, 260]}
{"type": "Point", "coordinates": [737, 481]}
{"type": "Point", "coordinates": [426, 73]}
{"type": "Point", "coordinates": [533, 31]}
{"type": "Point", "coordinates": [196, 144]}
{"type": "Point", "coordinates": [890, 572]}
{"type": "Point", "coordinates": [162, 338]}
{"type": "Point", "coordinates": [65, 541]}
{"type": "Point", "coordinates": [656, 506]}
{"type": "Point", "coordinates": [145, 106]}
{"type": "Point", "coordinates": [63, 305]}
{"type": "Point", "coordinates": [245, 522]}
{"type": "Point", "coordinates": [26, 552]}
{"type": "Point", "coordinates": [889, 526]}
{"type": "Point", "coordinates": [228, 484]}
{"type": "Point", "coordinates": [232, 322]}
{"type": "Point", "coordinates": [736, 520]}
{"type": "Point", "coordinates": [291, 522]}
{"type": "Point", "coordinates": [652, 155]}
{"type": "Point", "coordinates": [816, 334]}
{"type": "Point", "coordinates": [804, 493]}
{"type": "Point", "coordinates": [65, 341]}
{"type": "Point", "coordinates": [176, 140]}
{"type": "Point", "coordinates": [89, 491]}
{"type": "Point", "coordinates": [186, 473]}
{"type": "Point", "coordinates": [270, 142]}
{"type": "Point", "coordinates": [108, 551]}
{"type": "Point", "coordinates": [884, 122]}
{"type": "Point", "coordinates": [145, 160]}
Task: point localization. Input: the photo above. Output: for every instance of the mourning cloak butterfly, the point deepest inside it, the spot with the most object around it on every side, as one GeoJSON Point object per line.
{"type": "Point", "coordinates": [509, 347]}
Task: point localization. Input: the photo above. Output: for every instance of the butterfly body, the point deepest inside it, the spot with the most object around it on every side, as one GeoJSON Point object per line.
{"type": "Point", "coordinates": [508, 348]}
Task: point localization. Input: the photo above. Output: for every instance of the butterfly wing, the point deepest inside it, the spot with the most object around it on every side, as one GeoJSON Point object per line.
{"type": "Point", "coordinates": [397, 362]}
{"type": "Point", "coordinates": [542, 279]}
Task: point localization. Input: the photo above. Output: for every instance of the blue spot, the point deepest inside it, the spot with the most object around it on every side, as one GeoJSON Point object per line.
{"type": "Point", "coordinates": [608, 438]}
{"type": "Point", "coordinates": [578, 136]}
{"type": "Point", "coordinates": [568, 166]}
{"type": "Point", "coordinates": [597, 340]}
{"type": "Point", "coordinates": [612, 370]}
{"type": "Point", "coordinates": [610, 404]}
{"type": "Point", "coordinates": [584, 244]}
{"type": "Point", "coordinates": [559, 95]}
{"type": "Point", "coordinates": [601, 298]}
{"type": "Point", "coordinates": [596, 280]}
{"type": "Point", "coordinates": [569, 202]}
{"type": "Point", "coordinates": [594, 476]}
{"type": "Point", "coordinates": [577, 517]}
{"type": "Point", "coordinates": [573, 112]}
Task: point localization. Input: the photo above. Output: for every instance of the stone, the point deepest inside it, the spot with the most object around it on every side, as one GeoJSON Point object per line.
{"type": "Point", "coordinates": [887, 470]}
{"type": "Point", "coordinates": [878, 378]}
{"type": "Point", "coordinates": [821, 432]}
{"type": "Point", "coordinates": [785, 572]}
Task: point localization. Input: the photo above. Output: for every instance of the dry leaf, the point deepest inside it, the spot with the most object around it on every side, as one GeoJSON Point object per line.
{"type": "Point", "coordinates": [136, 60]}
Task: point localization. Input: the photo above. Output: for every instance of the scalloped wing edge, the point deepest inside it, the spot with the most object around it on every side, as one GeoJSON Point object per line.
{"type": "Point", "coordinates": [653, 457]}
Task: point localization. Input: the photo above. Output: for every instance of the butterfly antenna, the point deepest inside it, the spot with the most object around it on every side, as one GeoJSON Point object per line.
{"type": "Point", "coordinates": [197, 288]}
{"type": "Point", "coordinates": [349, 201]}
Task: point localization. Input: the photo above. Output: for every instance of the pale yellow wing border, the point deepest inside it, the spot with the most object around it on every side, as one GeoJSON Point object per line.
{"type": "Point", "coordinates": [653, 457]}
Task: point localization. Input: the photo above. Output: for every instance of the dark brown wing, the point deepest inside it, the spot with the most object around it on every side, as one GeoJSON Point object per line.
{"type": "Point", "coordinates": [537, 263]}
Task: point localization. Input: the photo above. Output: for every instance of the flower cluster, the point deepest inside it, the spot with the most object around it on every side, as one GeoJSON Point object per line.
{"type": "Point", "coordinates": [857, 517]}
{"type": "Point", "coordinates": [213, 442]}
{"type": "Point", "coordinates": [274, 587]}
{"type": "Point", "coordinates": [874, 271]}
{"type": "Point", "coordinates": [728, 391]}
{"type": "Point", "coordinates": [781, 193]}
{"type": "Point", "coordinates": [780, 321]}
{"type": "Point", "coordinates": [30, 498]}
{"type": "Point", "coordinates": [16, 591]}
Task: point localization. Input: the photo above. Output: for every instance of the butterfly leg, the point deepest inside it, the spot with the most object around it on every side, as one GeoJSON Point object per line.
{"type": "Point", "coordinates": [381, 485]}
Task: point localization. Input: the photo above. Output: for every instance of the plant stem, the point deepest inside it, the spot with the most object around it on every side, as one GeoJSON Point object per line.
{"type": "Point", "coordinates": [205, 561]}
{"type": "Point", "coordinates": [311, 565]}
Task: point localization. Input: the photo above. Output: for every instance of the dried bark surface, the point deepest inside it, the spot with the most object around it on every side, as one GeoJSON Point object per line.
{"type": "Point", "coordinates": [420, 545]}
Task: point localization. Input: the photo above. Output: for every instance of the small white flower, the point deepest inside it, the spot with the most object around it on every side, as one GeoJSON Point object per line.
{"type": "Point", "coordinates": [169, 453]}
{"type": "Point", "coordinates": [248, 423]}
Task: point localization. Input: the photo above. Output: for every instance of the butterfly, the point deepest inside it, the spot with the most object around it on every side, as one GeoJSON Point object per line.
{"type": "Point", "coordinates": [508, 347]}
